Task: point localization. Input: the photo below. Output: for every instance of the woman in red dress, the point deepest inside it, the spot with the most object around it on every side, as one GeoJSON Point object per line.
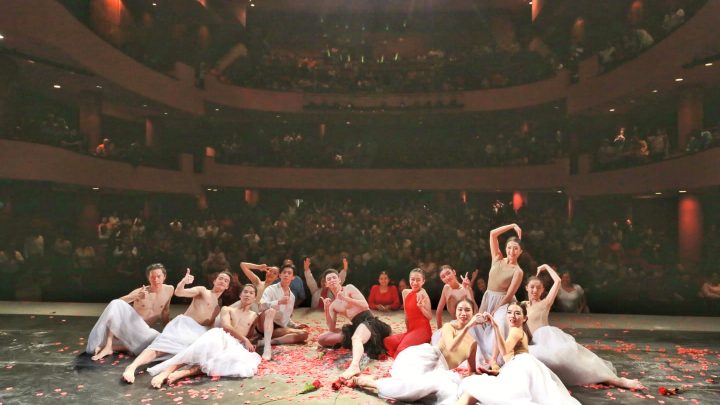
{"type": "Point", "coordinates": [417, 317]}
{"type": "Point", "coordinates": [383, 296]}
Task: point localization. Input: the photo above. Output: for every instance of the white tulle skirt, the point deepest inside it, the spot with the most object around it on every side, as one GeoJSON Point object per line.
{"type": "Point", "coordinates": [125, 324]}
{"type": "Point", "coordinates": [484, 334]}
{"type": "Point", "coordinates": [522, 380]}
{"type": "Point", "coordinates": [178, 334]}
{"type": "Point", "coordinates": [218, 354]}
{"type": "Point", "coordinates": [572, 362]}
{"type": "Point", "coordinates": [419, 372]}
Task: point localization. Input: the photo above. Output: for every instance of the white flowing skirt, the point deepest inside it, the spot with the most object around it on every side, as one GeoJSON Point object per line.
{"type": "Point", "coordinates": [218, 354]}
{"type": "Point", "coordinates": [419, 372]}
{"type": "Point", "coordinates": [484, 334]}
{"type": "Point", "coordinates": [522, 380]}
{"type": "Point", "coordinates": [572, 362]}
{"type": "Point", "coordinates": [178, 334]}
{"type": "Point", "coordinates": [125, 324]}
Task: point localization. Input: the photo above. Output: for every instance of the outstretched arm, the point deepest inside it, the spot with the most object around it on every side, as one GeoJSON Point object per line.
{"type": "Point", "coordinates": [343, 273]}
{"type": "Point", "coordinates": [309, 279]}
{"type": "Point", "coordinates": [135, 295]}
{"type": "Point", "coordinates": [247, 269]}
{"type": "Point", "coordinates": [495, 251]}
{"type": "Point", "coordinates": [352, 296]}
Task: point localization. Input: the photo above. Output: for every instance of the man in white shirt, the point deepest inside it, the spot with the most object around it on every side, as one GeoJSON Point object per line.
{"type": "Point", "coordinates": [277, 304]}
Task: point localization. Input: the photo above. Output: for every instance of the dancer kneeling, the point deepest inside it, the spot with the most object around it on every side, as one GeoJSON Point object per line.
{"type": "Point", "coordinates": [365, 334]}
{"type": "Point", "coordinates": [572, 362]}
{"type": "Point", "coordinates": [523, 379]}
{"type": "Point", "coordinates": [184, 329]}
{"type": "Point", "coordinates": [424, 370]}
{"type": "Point", "coordinates": [130, 325]}
{"type": "Point", "coordinates": [219, 352]}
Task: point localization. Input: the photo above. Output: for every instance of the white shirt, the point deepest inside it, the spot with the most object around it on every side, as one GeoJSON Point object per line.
{"type": "Point", "coordinates": [270, 298]}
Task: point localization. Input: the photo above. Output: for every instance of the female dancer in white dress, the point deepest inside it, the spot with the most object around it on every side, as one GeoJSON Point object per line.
{"type": "Point", "coordinates": [572, 362]}
{"type": "Point", "coordinates": [424, 370]}
{"type": "Point", "coordinates": [503, 282]}
{"type": "Point", "coordinates": [523, 379]}
{"type": "Point", "coordinates": [224, 352]}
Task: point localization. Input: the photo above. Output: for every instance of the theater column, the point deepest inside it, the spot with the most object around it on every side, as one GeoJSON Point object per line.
{"type": "Point", "coordinates": [90, 118]}
{"type": "Point", "coordinates": [690, 229]}
{"type": "Point", "coordinates": [8, 75]}
{"type": "Point", "coordinates": [689, 115]}
{"type": "Point", "coordinates": [89, 215]}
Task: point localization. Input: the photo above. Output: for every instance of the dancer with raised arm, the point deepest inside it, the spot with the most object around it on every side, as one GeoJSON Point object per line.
{"type": "Point", "coordinates": [271, 274]}
{"type": "Point", "coordinates": [365, 334]}
{"type": "Point", "coordinates": [277, 305]}
{"type": "Point", "coordinates": [571, 361]}
{"type": "Point", "coordinates": [424, 370]}
{"type": "Point", "coordinates": [522, 379]}
{"type": "Point", "coordinates": [184, 329]}
{"type": "Point", "coordinates": [503, 282]}
{"type": "Point", "coordinates": [122, 327]}
{"type": "Point", "coordinates": [318, 293]}
{"type": "Point", "coordinates": [220, 352]}
{"type": "Point", "coordinates": [453, 291]}
{"type": "Point", "coordinates": [417, 317]}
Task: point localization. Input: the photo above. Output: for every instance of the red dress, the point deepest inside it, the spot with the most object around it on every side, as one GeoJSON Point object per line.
{"type": "Point", "coordinates": [389, 298]}
{"type": "Point", "coordinates": [418, 329]}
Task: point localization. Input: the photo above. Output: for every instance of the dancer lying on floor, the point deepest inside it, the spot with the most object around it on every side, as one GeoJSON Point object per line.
{"type": "Point", "coordinates": [184, 329]}
{"type": "Point", "coordinates": [219, 352]}
{"type": "Point", "coordinates": [572, 362]}
{"type": "Point", "coordinates": [503, 282]}
{"type": "Point", "coordinates": [122, 327]}
{"type": "Point", "coordinates": [522, 379]}
{"type": "Point", "coordinates": [423, 371]}
{"type": "Point", "coordinates": [365, 334]}
{"type": "Point", "coordinates": [417, 317]}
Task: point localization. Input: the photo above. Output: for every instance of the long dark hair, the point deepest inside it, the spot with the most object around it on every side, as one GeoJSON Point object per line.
{"type": "Point", "coordinates": [523, 307]}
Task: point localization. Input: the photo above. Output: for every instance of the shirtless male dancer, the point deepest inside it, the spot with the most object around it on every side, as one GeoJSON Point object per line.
{"type": "Point", "coordinates": [236, 321]}
{"type": "Point", "coordinates": [452, 292]}
{"type": "Point", "coordinates": [365, 334]}
{"type": "Point", "coordinates": [131, 325]}
{"type": "Point", "coordinates": [271, 274]}
{"type": "Point", "coordinates": [182, 331]}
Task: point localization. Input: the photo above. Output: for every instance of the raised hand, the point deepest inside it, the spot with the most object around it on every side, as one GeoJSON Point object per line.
{"type": "Point", "coordinates": [488, 317]}
{"type": "Point", "coordinates": [306, 264]}
{"type": "Point", "coordinates": [326, 302]}
{"type": "Point", "coordinates": [421, 299]}
{"type": "Point", "coordinates": [477, 319]}
{"type": "Point", "coordinates": [263, 267]}
{"type": "Point", "coordinates": [345, 263]}
{"type": "Point", "coordinates": [466, 280]}
{"type": "Point", "coordinates": [518, 231]}
{"type": "Point", "coordinates": [540, 269]}
{"type": "Point", "coordinates": [189, 278]}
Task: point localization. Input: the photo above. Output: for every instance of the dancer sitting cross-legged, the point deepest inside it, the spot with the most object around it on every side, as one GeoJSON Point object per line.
{"type": "Point", "coordinates": [277, 305]}
{"type": "Point", "coordinates": [571, 361]}
{"type": "Point", "coordinates": [365, 334]}
{"type": "Point", "coordinates": [417, 317]}
{"type": "Point", "coordinates": [220, 352]}
{"type": "Point", "coordinates": [184, 329]}
{"type": "Point", "coordinates": [424, 370]}
{"type": "Point", "coordinates": [522, 379]}
{"type": "Point", "coordinates": [122, 327]}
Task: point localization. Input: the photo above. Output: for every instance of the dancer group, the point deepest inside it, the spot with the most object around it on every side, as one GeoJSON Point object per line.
{"type": "Point", "coordinates": [511, 353]}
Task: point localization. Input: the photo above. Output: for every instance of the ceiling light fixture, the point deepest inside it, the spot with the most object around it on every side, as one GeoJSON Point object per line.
{"type": "Point", "coordinates": [57, 86]}
{"type": "Point", "coordinates": [612, 110]}
{"type": "Point", "coordinates": [2, 36]}
{"type": "Point", "coordinates": [679, 79]}
{"type": "Point", "coordinates": [708, 64]}
{"type": "Point", "coordinates": [655, 91]}
{"type": "Point", "coordinates": [658, 193]}
{"type": "Point", "coordinates": [682, 191]}
{"type": "Point", "coordinates": [98, 86]}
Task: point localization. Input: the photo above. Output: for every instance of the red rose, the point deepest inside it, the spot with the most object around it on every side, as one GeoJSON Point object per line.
{"type": "Point", "coordinates": [662, 390]}
{"type": "Point", "coordinates": [337, 384]}
{"type": "Point", "coordinates": [316, 384]}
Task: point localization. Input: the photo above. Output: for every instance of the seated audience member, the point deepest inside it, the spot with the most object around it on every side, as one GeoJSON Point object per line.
{"type": "Point", "coordinates": [383, 296]}
{"type": "Point", "coordinates": [571, 297]}
{"type": "Point", "coordinates": [125, 327]}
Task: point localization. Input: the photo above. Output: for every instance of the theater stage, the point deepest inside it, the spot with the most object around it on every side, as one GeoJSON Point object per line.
{"type": "Point", "coordinates": [42, 362]}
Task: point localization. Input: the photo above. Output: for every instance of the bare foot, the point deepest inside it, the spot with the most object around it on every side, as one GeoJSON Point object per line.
{"type": "Point", "coordinates": [267, 353]}
{"type": "Point", "coordinates": [180, 374]}
{"type": "Point", "coordinates": [106, 351]}
{"type": "Point", "coordinates": [364, 381]}
{"type": "Point", "coordinates": [629, 384]}
{"type": "Point", "coordinates": [129, 375]}
{"type": "Point", "coordinates": [159, 379]}
{"type": "Point", "coordinates": [350, 372]}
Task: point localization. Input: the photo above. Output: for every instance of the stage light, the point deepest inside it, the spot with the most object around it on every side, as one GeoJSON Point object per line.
{"type": "Point", "coordinates": [682, 191]}
{"type": "Point", "coordinates": [655, 91]}
{"type": "Point", "coordinates": [57, 86]}
{"type": "Point", "coordinates": [679, 79]}
{"type": "Point", "coordinates": [2, 36]}
{"type": "Point", "coordinates": [658, 193]}
{"type": "Point", "coordinates": [612, 110]}
{"type": "Point", "coordinates": [708, 64]}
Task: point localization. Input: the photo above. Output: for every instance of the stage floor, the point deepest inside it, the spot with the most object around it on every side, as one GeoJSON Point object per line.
{"type": "Point", "coordinates": [42, 362]}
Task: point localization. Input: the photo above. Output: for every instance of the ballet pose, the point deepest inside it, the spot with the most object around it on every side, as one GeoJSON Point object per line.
{"type": "Point", "coordinates": [572, 362]}
{"type": "Point", "coordinates": [220, 352]}
{"type": "Point", "coordinates": [122, 327]}
{"type": "Point", "coordinates": [184, 329]}
{"type": "Point", "coordinates": [365, 334]}
{"type": "Point", "coordinates": [417, 317]}
{"type": "Point", "coordinates": [522, 379]}
{"type": "Point", "coordinates": [503, 282]}
{"type": "Point", "coordinates": [424, 370]}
